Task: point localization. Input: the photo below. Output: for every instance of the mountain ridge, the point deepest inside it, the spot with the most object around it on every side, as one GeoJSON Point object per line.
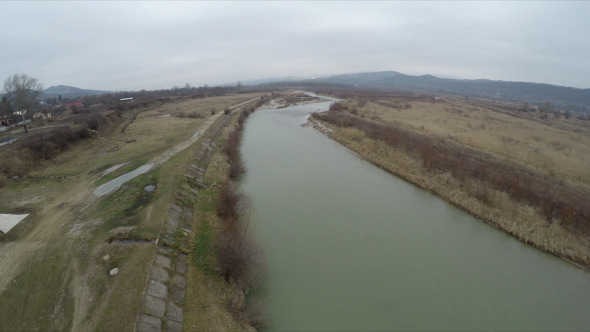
{"type": "Point", "coordinates": [70, 92]}
{"type": "Point", "coordinates": [570, 98]}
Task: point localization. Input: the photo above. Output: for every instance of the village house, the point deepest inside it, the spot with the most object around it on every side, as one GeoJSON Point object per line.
{"type": "Point", "coordinates": [74, 105]}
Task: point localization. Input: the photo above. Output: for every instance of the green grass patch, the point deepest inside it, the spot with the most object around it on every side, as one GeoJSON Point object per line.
{"type": "Point", "coordinates": [203, 248]}
{"type": "Point", "coordinates": [120, 207]}
{"type": "Point", "coordinates": [39, 299]}
{"type": "Point", "coordinates": [122, 293]}
{"type": "Point", "coordinates": [185, 201]}
{"type": "Point", "coordinates": [208, 200]}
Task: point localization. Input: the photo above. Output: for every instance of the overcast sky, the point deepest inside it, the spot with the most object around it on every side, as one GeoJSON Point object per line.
{"type": "Point", "coordinates": [153, 45]}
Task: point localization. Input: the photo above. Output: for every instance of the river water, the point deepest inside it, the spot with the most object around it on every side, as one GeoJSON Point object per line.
{"type": "Point", "coordinates": [351, 247]}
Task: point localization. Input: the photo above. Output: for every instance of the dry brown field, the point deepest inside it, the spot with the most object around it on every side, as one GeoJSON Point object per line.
{"type": "Point", "coordinates": [558, 147]}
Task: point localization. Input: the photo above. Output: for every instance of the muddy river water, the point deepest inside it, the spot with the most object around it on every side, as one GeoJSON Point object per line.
{"type": "Point", "coordinates": [351, 247]}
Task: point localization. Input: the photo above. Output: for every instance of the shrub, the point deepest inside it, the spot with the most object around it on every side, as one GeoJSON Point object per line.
{"type": "Point", "coordinates": [95, 121]}
{"type": "Point", "coordinates": [227, 203]}
{"type": "Point", "coordinates": [46, 145]}
{"type": "Point", "coordinates": [232, 147]}
{"type": "Point", "coordinates": [80, 133]}
{"type": "Point", "coordinates": [192, 115]}
{"type": "Point", "coordinates": [338, 107]}
{"type": "Point", "coordinates": [238, 256]}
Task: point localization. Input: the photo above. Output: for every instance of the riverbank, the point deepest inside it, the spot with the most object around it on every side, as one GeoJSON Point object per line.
{"type": "Point", "coordinates": [526, 222]}
{"type": "Point", "coordinates": [225, 261]}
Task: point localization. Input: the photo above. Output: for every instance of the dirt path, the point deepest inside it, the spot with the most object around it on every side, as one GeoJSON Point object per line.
{"type": "Point", "coordinates": [53, 219]}
{"type": "Point", "coordinates": [112, 185]}
{"type": "Point", "coordinates": [161, 159]}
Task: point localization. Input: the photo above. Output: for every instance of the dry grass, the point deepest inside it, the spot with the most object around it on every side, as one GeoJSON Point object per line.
{"type": "Point", "coordinates": [203, 106]}
{"type": "Point", "coordinates": [557, 147]}
{"type": "Point", "coordinates": [123, 298]}
{"type": "Point", "coordinates": [506, 134]}
{"type": "Point", "coordinates": [211, 303]}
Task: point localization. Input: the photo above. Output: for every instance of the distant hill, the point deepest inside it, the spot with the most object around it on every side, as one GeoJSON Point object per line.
{"type": "Point", "coordinates": [69, 92]}
{"type": "Point", "coordinates": [265, 81]}
{"type": "Point", "coordinates": [534, 93]}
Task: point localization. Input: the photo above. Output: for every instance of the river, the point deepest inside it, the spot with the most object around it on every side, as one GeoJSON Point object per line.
{"type": "Point", "coordinates": [351, 247]}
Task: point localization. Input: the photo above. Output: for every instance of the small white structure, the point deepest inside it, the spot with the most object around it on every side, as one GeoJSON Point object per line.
{"type": "Point", "coordinates": [8, 221]}
{"type": "Point", "coordinates": [128, 99]}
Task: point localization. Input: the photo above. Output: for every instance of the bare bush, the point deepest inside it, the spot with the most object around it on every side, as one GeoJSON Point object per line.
{"type": "Point", "coordinates": [93, 121]}
{"type": "Point", "coordinates": [227, 203]}
{"type": "Point", "coordinates": [238, 255]}
{"type": "Point", "coordinates": [338, 107]}
{"type": "Point", "coordinates": [48, 143]}
{"type": "Point", "coordinates": [232, 148]}
{"type": "Point", "coordinates": [192, 115]}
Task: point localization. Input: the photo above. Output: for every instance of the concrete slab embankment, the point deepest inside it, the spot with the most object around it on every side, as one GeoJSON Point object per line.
{"type": "Point", "coordinates": [163, 299]}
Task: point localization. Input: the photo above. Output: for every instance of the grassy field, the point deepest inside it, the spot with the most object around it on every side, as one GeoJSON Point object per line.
{"type": "Point", "coordinates": [558, 147]}
{"type": "Point", "coordinates": [503, 165]}
{"type": "Point", "coordinates": [53, 275]}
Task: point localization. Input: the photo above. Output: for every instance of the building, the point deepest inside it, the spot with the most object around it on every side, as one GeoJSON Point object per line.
{"type": "Point", "coordinates": [77, 104]}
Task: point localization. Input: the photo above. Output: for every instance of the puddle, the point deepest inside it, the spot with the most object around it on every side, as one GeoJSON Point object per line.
{"type": "Point", "coordinates": [195, 135]}
{"type": "Point", "coordinates": [114, 168]}
{"type": "Point", "coordinates": [77, 229]}
{"type": "Point", "coordinates": [8, 221]}
{"type": "Point", "coordinates": [112, 185]}
{"type": "Point", "coordinates": [130, 242]}
{"type": "Point", "coordinates": [7, 141]}
{"type": "Point", "coordinates": [149, 188]}
{"type": "Point", "coordinates": [165, 115]}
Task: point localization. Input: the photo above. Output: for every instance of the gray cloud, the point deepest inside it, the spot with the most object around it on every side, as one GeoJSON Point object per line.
{"type": "Point", "coordinates": [137, 45]}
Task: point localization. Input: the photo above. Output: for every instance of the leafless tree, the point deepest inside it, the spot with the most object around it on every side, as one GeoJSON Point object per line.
{"type": "Point", "coordinates": [546, 107]}
{"type": "Point", "coordinates": [23, 91]}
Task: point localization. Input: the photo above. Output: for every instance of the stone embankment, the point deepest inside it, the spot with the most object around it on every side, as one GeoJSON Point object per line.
{"type": "Point", "coordinates": [163, 298]}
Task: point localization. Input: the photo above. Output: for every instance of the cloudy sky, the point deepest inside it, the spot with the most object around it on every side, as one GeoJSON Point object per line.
{"type": "Point", "coordinates": [153, 45]}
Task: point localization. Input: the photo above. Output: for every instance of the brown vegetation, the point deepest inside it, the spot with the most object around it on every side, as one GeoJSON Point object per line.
{"type": "Point", "coordinates": [238, 256]}
{"type": "Point", "coordinates": [47, 143]}
{"type": "Point", "coordinates": [232, 148]}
